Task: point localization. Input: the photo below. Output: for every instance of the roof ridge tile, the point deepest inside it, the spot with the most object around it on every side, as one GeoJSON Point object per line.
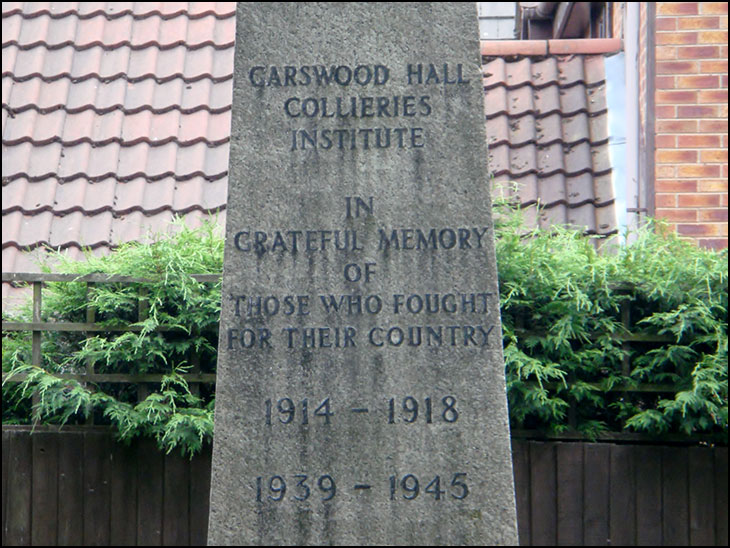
{"type": "Point", "coordinates": [225, 14]}
{"type": "Point", "coordinates": [116, 45]}
{"type": "Point", "coordinates": [118, 76]}
{"type": "Point", "coordinates": [545, 48]}
{"type": "Point", "coordinates": [124, 178]}
{"type": "Point", "coordinates": [112, 108]}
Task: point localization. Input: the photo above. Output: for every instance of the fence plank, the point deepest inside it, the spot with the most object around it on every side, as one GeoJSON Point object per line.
{"type": "Point", "coordinates": [16, 529]}
{"type": "Point", "coordinates": [176, 504]}
{"type": "Point", "coordinates": [649, 495]}
{"type": "Point", "coordinates": [595, 495]}
{"type": "Point", "coordinates": [570, 494]}
{"type": "Point", "coordinates": [97, 488]}
{"type": "Point", "coordinates": [543, 507]}
{"type": "Point", "coordinates": [71, 488]}
{"type": "Point", "coordinates": [44, 489]}
{"type": "Point", "coordinates": [721, 496]}
{"type": "Point", "coordinates": [622, 474]}
{"type": "Point", "coordinates": [6, 467]}
{"type": "Point", "coordinates": [93, 277]}
{"type": "Point", "coordinates": [122, 378]}
{"type": "Point", "coordinates": [77, 326]}
{"type": "Point", "coordinates": [675, 519]}
{"type": "Point", "coordinates": [37, 309]}
{"type": "Point", "coordinates": [200, 497]}
{"type": "Point", "coordinates": [149, 499]}
{"type": "Point", "coordinates": [521, 471]}
{"type": "Point", "coordinates": [123, 522]}
{"type": "Point", "coordinates": [701, 505]}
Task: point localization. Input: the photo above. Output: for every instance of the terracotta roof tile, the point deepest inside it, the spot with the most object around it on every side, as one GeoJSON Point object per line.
{"type": "Point", "coordinates": [548, 140]}
{"type": "Point", "coordinates": [594, 67]}
{"type": "Point", "coordinates": [544, 72]}
{"type": "Point", "coordinates": [116, 117]}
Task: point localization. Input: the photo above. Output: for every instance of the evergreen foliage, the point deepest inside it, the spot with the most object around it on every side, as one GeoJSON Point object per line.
{"type": "Point", "coordinates": [568, 312]}
{"type": "Point", "coordinates": [179, 327]}
{"type": "Point", "coordinates": [564, 310]}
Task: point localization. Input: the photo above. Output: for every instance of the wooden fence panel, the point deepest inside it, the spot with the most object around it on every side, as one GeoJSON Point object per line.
{"type": "Point", "coordinates": [675, 529]}
{"type": "Point", "coordinates": [176, 509]}
{"type": "Point", "coordinates": [622, 503]}
{"type": "Point", "coordinates": [6, 467]}
{"type": "Point", "coordinates": [543, 494]}
{"type": "Point", "coordinates": [44, 489]}
{"type": "Point", "coordinates": [17, 527]}
{"type": "Point", "coordinates": [720, 496]}
{"type": "Point", "coordinates": [199, 498]}
{"type": "Point", "coordinates": [71, 489]}
{"type": "Point", "coordinates": [521, 470]}
{"type": "Point", "coordinates": [150, 488]}
{"type": "Point", "coordinates": [701, 499]}
{"type": "Point", "coordinates": [570, 494]}
{"type": "Point", "coordinates": [123, 523]}
{"type": "Point", "coordinates": [80, 487]}
{"type": "Point", "coordinates": [595, 495]}
{"type": "Point", "coordinates": [97, 489]}
{"type": "Point", "coordinates": [648, 495]}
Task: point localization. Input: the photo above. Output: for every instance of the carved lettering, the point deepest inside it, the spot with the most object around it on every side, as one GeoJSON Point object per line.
{"type": "Point", "coordinates": [407, 239]}
{"type": "Point", "coordinates": [319, 75]}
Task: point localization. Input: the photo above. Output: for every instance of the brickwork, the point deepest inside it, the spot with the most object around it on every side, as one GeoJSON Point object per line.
{"type": "Point", "coordinates": [691, 119]}
{"type": "Point", "coordinates": [618, 14]}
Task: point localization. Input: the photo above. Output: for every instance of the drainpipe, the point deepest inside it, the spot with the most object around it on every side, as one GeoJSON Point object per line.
{"type": "Point", "coordinates": [634, 206]}
{"type": "Point", "coordinates": [648, 132]}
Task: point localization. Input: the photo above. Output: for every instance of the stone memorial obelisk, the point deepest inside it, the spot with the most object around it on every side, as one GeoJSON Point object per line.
{"type": "Point", "coordinates": [360, 392]}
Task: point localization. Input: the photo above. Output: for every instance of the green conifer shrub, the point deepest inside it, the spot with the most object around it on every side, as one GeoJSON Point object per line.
{"type": "Point", "coordinates": [631, 338]}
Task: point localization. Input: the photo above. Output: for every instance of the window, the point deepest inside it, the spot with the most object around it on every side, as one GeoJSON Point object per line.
{"type": "Point", "coordinates": [497, 20]}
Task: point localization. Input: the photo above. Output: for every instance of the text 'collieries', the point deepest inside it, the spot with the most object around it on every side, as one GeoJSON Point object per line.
{"type": "Point", "coordinates": [328, 99]}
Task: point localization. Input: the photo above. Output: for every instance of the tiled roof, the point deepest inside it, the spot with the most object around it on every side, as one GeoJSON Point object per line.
{"type": "Point", "coordinates": [547, 128]}
{"type": "Point", "coordinates": [115, 117]}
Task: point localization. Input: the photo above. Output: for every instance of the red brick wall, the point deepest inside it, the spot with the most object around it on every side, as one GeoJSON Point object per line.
{"type": "Point", "coordinates": [691, 119]}
{"type": "Point", "coordinates": [618, 13]}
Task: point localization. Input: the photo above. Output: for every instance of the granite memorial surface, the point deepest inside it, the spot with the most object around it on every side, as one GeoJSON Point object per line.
{"type": "Point", "coordinates": [360, 396]}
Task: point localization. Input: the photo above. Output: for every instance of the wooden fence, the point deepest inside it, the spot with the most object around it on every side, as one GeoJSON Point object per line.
{"type": "Point", "coordinates": [597, 494]}
{"type": "Point", "coordinates": [37, 327]}
{"type": "Point", "coordinates": [79, 487]}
